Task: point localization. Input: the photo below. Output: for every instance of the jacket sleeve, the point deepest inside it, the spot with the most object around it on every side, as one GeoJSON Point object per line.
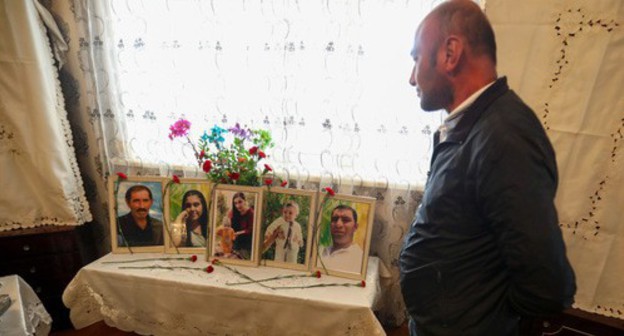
{"type": "Point", "coordinates": [517, 182]}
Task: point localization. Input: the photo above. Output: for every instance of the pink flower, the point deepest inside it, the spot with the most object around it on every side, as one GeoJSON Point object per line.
{"type": "Point", "coordinates": [179, 128]}
{"type": "Point", "coordinates": [283, 184]}
{"type": "Point", "coordinates": [330, 191]}
{"type": "Point", "coordinates": [209, 269]}
{"type": "Point", "coordinates": [122, 176]}
{"type": "Point", "coordinates": [261, 154]}
{"type": "Point", "coordinates": [193, 258]}
{"type": "Point", "coordinates": [268, 182]}
{"type": "Point", "coordinates": [176, 179]}
{"type": "Point", "coordinates": [253, 150]}
{"type": "Point", "coordinates": [207, 166]}
{"type": "Point", "coordinates": [267, 167]}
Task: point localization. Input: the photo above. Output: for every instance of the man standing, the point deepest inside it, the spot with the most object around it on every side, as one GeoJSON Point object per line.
{"type": "Point", "coordinates": [137, 227]}
{"type": "Point", "coordinates": [343, 255]}
{"type": "Point", "coordinates": [485, 248]}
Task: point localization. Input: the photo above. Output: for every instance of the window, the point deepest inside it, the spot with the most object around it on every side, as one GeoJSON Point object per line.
{"type": "Point", "coordinates": [329, 79]}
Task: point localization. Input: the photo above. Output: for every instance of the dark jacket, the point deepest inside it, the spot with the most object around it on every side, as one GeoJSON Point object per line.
{"type": "Point", "coordinates": [485, 247]}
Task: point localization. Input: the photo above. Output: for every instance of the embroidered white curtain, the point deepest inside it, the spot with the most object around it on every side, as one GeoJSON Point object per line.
{"type": "Point", "coordinates": [329, 80]}
{"type": "Point", "coordinates": [39, 176]}
{"type": "Point", "coordinates": [565, 59]}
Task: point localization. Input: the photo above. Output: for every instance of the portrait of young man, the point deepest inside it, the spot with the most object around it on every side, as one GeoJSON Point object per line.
{"type": "Point", "coordinates": [343, 254]}
{"type": "Point", "coordinates": [344, 236]}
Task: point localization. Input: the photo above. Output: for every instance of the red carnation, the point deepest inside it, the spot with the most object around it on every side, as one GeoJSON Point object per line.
{"type": "Point", "coordinates": [268, 182]}
{"type": "Point", "coordinates": [330, 191]}
{"type": "Point", "coordinates": [202, 154]}
{"type": "Point", "coordinates": [193, 258]}
{"type": "Point", "coordinates": [122, 176]}
{"type": "Point", "coordinates": [261, 154]}
{"type": "Point", "coordinates": [207, 166]}
{"type": "Point", "coordinates": [176, 179]}
{"type": "Point", "coordinates": [215, 261]}
{"type": "Point", "coordinates": [267, 167]}
{"type": "Point", "coordinates": [253, 150]}
{"type": "Point", "coordinates": [283, 184]}
{"type": "Point", "coordinates": [209, 269]}
{"type": "Point", "coordinates": [318, 274]}
{"type": "Point", "coordinates": [234, 176]}
{"type": "Point", "coordinates": [363, 283]}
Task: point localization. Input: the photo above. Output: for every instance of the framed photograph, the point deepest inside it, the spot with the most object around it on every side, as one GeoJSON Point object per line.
{"type": "Point", "coordinates": [286, 229]}
{"type": "Point", "coordinates": [136, 214]}
{"type": "Point", "coordinates": [343, 236]}
{"type": "Point", "coordinates": [187, 209]}
{"type": "Point", "coordinates": [234, 224]}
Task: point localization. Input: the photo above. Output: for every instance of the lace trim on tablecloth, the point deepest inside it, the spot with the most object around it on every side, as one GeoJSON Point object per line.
{"type": "Point", "coordinates": [38, 317]}
{"type": "Point", "coordinates": [87, 305]}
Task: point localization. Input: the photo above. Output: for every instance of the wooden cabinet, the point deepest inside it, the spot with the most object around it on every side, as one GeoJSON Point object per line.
{"type": "Point", "coordinates": [574, 322]}
{"type": "Point", "coordinates": [47, 258]}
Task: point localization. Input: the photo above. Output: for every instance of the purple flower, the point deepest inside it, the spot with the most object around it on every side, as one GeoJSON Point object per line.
{"type": "Point", "coordinates": [242, 133]}
{"type": "Point", "coordinates": [179, 128]}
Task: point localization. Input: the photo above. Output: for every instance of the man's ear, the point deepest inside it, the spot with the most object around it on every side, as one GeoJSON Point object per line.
{"type": "Point", "coordinates": [453, 52]}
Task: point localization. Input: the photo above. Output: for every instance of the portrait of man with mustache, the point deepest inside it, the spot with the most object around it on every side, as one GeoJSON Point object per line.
{"type": "Point", "coordinates": [137, 227]}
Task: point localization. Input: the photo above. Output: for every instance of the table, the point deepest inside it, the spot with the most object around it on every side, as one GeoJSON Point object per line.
{"type": "Point", "coordinates": [26, 315]}
{"type": "Point", "coordinates": [193, 302]}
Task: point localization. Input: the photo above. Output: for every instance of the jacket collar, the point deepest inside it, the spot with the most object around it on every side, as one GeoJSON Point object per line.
{"type": "Point", "coordinates": [474, 111]}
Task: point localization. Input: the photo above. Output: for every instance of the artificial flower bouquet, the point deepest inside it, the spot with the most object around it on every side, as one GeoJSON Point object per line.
{"type": "Point", "coordinates": [230, 156]}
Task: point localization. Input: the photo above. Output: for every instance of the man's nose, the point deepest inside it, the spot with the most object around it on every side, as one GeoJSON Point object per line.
{"type": "Point", "coordinates": [412, 79]}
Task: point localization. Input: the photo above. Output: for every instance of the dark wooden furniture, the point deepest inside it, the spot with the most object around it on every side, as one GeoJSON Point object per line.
{"type": "Point", "coordinates": [574, 322]}
{"type": "Point", "coordinates": [47, 258]}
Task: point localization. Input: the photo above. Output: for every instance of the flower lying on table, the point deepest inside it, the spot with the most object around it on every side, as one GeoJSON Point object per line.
{"type": "Point", "coordinates": [229, 155]}
{"type": "Point", "coordinates": [248, 280]}
{"type": "Point", "coordinates": [192, 258]}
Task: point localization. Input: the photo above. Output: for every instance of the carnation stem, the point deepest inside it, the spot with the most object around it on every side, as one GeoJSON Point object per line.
{"type": "Point", "coordinates": [269, 279]}
{"type": "Point", "coordinates": [139, 260]}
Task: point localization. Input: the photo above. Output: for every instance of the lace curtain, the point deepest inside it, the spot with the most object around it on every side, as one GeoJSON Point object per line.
{"type": "Point", "coordinates": [40, 180]}
{"type": "Point", "coordinates": [328, 79]}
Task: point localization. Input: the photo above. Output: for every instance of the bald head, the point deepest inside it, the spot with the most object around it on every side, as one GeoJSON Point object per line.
{"type": "Point", "coordinates": [464, 18]}
{"type": "Point", "coordinates": [454, 55]}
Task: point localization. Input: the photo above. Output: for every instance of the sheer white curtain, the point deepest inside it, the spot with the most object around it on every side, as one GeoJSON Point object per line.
{"type": "Point", "coordinates": [329, 79]}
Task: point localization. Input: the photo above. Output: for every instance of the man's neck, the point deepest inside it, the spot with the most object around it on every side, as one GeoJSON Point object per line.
{"type": "Point", "coordinates": [140, 222]}
{"type": "Point", "coordinates": [340, 247]}
{"type": "Point", "coordinates": [476, 75]}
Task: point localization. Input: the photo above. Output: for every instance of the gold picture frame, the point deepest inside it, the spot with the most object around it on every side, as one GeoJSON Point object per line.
{"type": "Point", "coordinates": [342, 248]}
{"type": "Point", "coordinates": [187, 213]}
{"type": "Point", "coordinates": [286, 228]}
{"type": "Point", "coordinates": [234, 224]}
{"type": "Point", "coordinates": [127, 236]}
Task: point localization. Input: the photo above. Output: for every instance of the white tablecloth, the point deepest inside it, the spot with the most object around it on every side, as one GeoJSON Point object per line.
{"type": "Point", "coordinates": [26, 315]}
{"type": "Point", "coordinates": [192, 302]}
